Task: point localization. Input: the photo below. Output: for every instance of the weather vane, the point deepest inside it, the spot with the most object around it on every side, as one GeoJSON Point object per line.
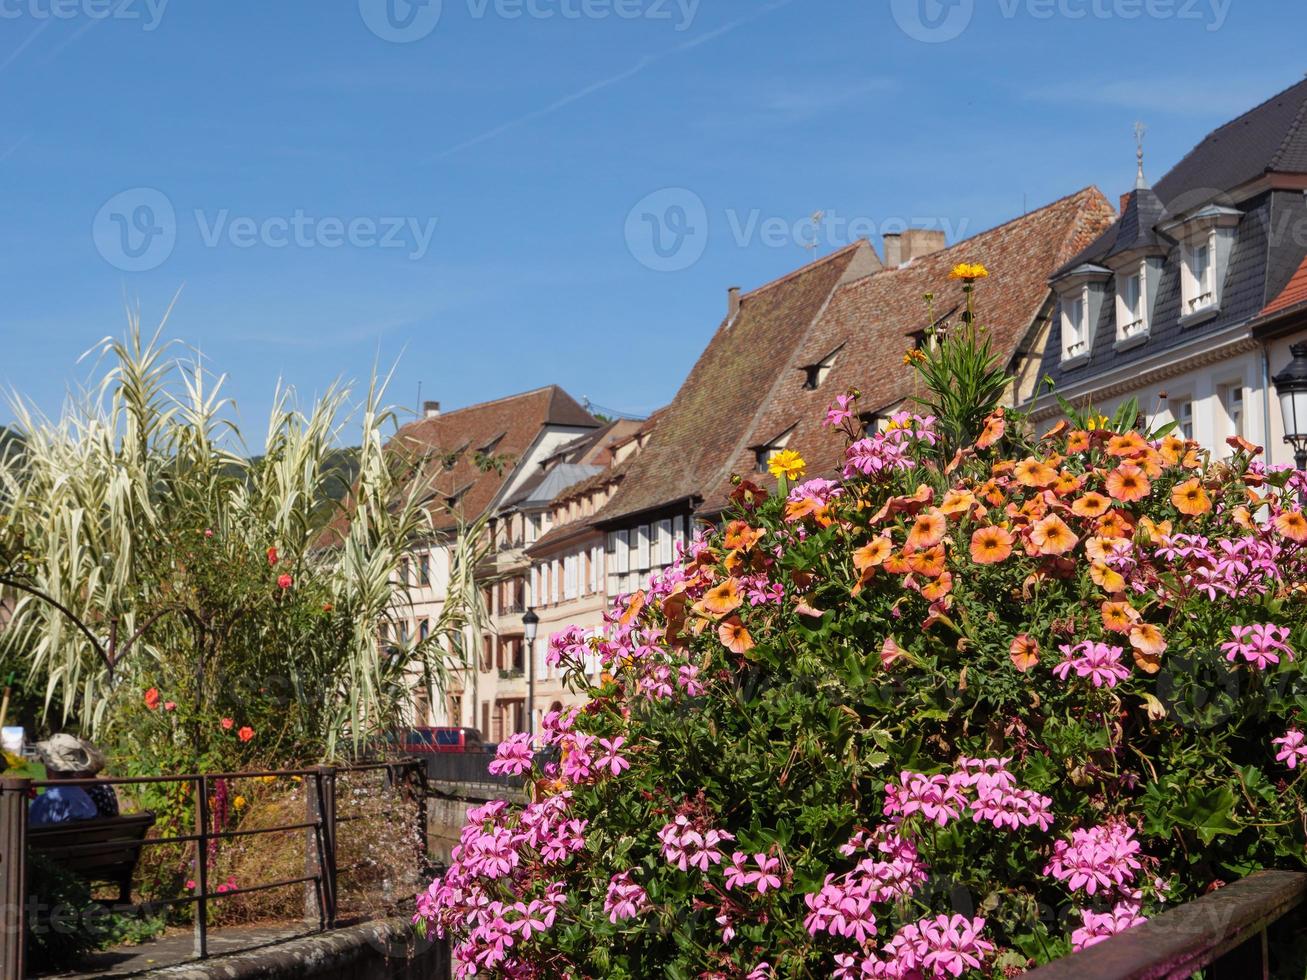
{"type": "Point", "coordinates": [1140, 130]}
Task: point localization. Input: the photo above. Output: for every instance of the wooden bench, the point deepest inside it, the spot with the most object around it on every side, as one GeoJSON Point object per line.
{"type": "Point", "coordinates": [101, 850]}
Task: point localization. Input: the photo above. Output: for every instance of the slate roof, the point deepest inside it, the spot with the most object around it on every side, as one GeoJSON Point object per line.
{"type": "Point", "coordinates": [1267, 251]}
{"type": "Point", "coordinates": [505, 426]}
{"type": "Point", "coordinates": [748, 386]}
{"type": "Point", "coordinates": [712, 418]}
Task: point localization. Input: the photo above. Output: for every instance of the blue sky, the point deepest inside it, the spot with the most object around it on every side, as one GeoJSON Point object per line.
{"type": "Point", "coordinates": [474, 197]}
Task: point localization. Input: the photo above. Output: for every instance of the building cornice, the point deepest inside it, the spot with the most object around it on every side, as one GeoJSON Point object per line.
{"type": "Point", "coordinates": [1170, 363]}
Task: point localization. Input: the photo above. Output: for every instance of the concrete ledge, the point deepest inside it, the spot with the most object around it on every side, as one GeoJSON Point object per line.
{"type": "Point", "coordinates": [372, 951]}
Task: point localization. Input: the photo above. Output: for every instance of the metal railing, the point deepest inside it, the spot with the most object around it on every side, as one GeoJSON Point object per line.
{"type": "Point", "coordinates": [322, 819]}
{"type": "Point", "coordinates": [1228, 933]}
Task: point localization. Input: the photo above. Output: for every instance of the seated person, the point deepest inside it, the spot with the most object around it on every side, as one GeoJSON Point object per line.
{"type": "Point", "coordinates": [68, 757]}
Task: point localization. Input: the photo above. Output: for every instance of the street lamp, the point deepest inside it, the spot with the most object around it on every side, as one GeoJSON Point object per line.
{"type": "Point", "coordinates": [1291, 385]}
{"type": "Point", "coordinates": [531, 623]}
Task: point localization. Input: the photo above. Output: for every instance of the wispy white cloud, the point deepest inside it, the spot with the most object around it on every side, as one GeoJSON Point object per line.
{"type": "Point", "coordinates": [603, 83]}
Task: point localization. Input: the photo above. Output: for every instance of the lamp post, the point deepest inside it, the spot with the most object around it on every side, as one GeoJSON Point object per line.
{"type": "Point", "coordinates": [530, 623]}
{"type": "Point", "coordinates": [1291, 386]}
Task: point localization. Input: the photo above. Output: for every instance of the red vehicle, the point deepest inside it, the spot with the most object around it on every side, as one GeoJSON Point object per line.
{"type": "Point", "coordinates": [429, 740]}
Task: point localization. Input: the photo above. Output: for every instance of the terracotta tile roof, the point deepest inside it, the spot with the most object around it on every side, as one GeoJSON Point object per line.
{"type": "Point", "coordinates": [748, 387]}
{"type": "Point", "coordinates": [1293, 294]}
{"type": "Point", "coordinates": [713, 414]}
{"type": "Point", "coordinates": [504, 427]}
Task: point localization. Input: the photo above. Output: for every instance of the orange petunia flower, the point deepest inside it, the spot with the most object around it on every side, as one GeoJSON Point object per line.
{"type": "Point", "coordinates": [1127, 482]}
{"type": "Point", "coordinates": [938, 588]}
{"type": "Point", "coordinates": [1148, 646]}
{"type": "Point", "coordinates": [897, 564]}
{"type": "Point", "coordinates": [1172, 449]}
{"type": "Point", "coordinates": [1106, 578]}
{"type": "Point", "coordinates": [1126, 444]}
{"type": "Point", "coordinates": [990, 545]}
{"type": "Point", "coordinates": [993, 431]}
{"type": "Point", "coordinates": [927, 530]}
{"type": "Point", "coordinates": [957, 502]}
{"type": "Point", "coordinates": [1024, 652]}
{"type": "Point", "coordinates": [1119, 617]}
{"type": "Point", "coordinates": [734, 636]}
{"type": "Point", "coordinates": [1092, 504]}
{"type": "Point", "coordinates": [1115, 524]}
{"type": "Point", "coordinates": [1077, 442]}
{"type": "Point", "coordinates": [722, 599]}
{"type": "Point", "coordinates": [873, 553]}
{"type": "Point", "coordinates": [632, 609]}
{"type": "Point", "coordinates": [1067, 484]}
{"type": "Point", "coordinates": [739, 535]}
{"type": "Point", "coordinates": [1052, 537]}
{"type": "Point", "coordinates": [1154, 530]}
{"type": "Point", "coordinates": [1190, 498]}
{"type": "Point", "coordinates": [1032, 472]}
{"type": "Point", "coordinates": [929, 563]}
{"type": "Point", "coordinates": [1292, 525]}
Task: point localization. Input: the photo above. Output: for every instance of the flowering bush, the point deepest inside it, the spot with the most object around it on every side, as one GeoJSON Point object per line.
{"type": "Point", "coordinates": [953, 714]}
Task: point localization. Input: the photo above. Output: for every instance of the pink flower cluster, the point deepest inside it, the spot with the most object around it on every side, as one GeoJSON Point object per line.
{"type": "Point", "coordinates": [495, 849]}
{"type": "Point", "coordinates": [690, 843]}
{"type": "Point", "coordinates": [939, 946]}
{"type": "Point", "coordinates": [1293, 747]}
{"type": "Point", "coordinates": [882, 454]}
{"type": "Point", "coordinates": [983, 786]}
{"type": "Point", "coordinates": [1260, 644]}
{"type": "Point", "coordinates": [843, 906]}
{"type": "Point", "coordinates": [1240, 568]}
{"type": "Point", "coordinates": [625, 899]}
{"type": "Point", "coordinates": [739, 875]}
{"type": "Point", "coordinates": [1100, 925]}
{"type": "Point", "coordinates": [512, 756]}
{"type": "Point", "coordinates": [1097, 859]}
{"type": "Point", "coordinates": [568, 648]}
{"type": "Point", "coordinates": [1099, 662]}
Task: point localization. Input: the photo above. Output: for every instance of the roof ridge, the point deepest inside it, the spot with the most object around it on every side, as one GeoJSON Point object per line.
{"type": "Point", "coordinates": [806, 268]}
{"type": "Point", "coordinates": [1289, 136]}
{"type": "Point", "coordinates": [1087, 189]}
{"type": "Point", "coordinates": [1231, 123]}
{"type": "Point", "coordinates": [484, 404]}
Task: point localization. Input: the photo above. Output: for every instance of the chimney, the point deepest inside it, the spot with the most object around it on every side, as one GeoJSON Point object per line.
{"type": "Point", "coordinates": [921, 241]}
{"type": "Point", "coordinates": [430, 410]}
{"type": "Point", "coordinates": [732, 302]}
{"type": "Point", "coordinates": [893, 249]}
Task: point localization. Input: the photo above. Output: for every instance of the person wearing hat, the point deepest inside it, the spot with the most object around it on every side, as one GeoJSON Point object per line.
{"type": "Point", "coordinates": [69, 757]}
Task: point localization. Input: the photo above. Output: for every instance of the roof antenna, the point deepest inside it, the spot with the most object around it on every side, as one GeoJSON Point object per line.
{"type": "Point", "coordinates": [816, 219]}
{"type": "Point", "coordinates": [1140, 130]}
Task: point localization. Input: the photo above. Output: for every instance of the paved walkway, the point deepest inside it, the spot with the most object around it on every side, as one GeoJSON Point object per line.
{"type": "Point", "coordinates": [179, 947]}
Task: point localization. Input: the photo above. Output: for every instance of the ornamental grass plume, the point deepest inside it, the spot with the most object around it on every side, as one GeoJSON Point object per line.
{"type": "Point", "coordinates": [860, 710]}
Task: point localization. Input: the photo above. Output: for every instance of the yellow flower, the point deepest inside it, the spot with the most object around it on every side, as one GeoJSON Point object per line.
{"type": "Point", "coordinates": [786, 463]}
{"type": "Point", "coordinates": [970, 271]}
{"type": "Point", "coordinates": [1097, 422]}
{"type": "Point", "coordinates": [239, 803]}
{"type": "Point", "coordinates": [914, 356]}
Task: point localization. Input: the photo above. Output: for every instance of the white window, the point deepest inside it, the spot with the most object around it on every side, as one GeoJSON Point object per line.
{"type": "Point", "coordinates": [1182, 411]}
{"type": "Point", "coordinates": [1232, 402]}
{"type": "Point", "coordinates": [1199, 291]}
{"type": "Point", "coordinates": [1131, 317]}
{"type": "Point", "coordinates": [665, 542]}
{"type": "Point", "coordinates": [641, 549]}
{"type": "Point", "coordinates": [596, 567]}
{"type": "Point", "coordinates": [570, 576]}
{"type": "Point", "coordinates": [678, 528]}
{"type": "Point", "coordinates": [763, 454]}
{"type": "Point", "coordinates": [623, 550]}
{"type": "Point", "coordinates": [554, 575]}
{"type": "Point", "coordinates": [535, 585]}
{"type": "Point", "coordinates": [1075, 331]}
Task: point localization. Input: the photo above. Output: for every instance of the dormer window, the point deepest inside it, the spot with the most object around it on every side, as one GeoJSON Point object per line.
{"type": "Point", "coordinates": [1136, 290]}
{"type": "Point", "coordinates": [815, 374]}
{"type": "Point", "coordinates": [762, 455]}
{"type": "Point", "coordinates": [1206, 240]}
{"type": "Point", "coordinates": [1080, 296]}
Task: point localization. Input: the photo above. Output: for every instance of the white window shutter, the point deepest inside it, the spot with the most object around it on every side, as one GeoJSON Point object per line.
{"type": "Point", "coordinates": [623, 551]}
{"type": "Point", "coordinates": [554, 576]}
{"type": "Point", "coordinates": [642, 556]}
{"type": "Point", "coordinates": [665, 542]}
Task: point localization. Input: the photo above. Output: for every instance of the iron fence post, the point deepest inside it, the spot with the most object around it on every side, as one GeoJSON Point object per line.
{"type": "Point", "coordinates": [326, 784]}
{"type": "Point", "coordinates": [14, 794]}
{"type": "Point", "coordinates": [202, 867]}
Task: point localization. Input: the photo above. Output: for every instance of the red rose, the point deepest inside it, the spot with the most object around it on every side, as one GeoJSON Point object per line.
{"type": "Point", "coordinates": [284, 581]}
{"type": "Point", "coordinates": [152, 698]}
{"type": "Point", "coordinates": [226, 724]}
{"type": "Point", "coordinates": [272, 556]}
{"type": "Point", "coordinates": [246, 733]}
